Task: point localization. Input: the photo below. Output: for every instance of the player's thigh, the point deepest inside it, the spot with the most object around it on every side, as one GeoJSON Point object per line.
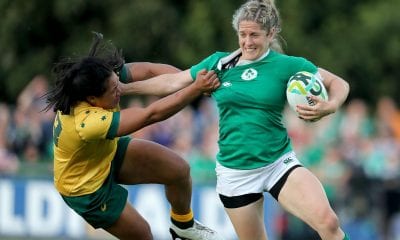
{"type": "Point", "coordinates": [149, 162]}
{"type": "Point", "coordinates": [130, 225]}
{"type": "Point", "coordinates": [303, 196]}
{"type": "Point", "coordinates": [248, 221]}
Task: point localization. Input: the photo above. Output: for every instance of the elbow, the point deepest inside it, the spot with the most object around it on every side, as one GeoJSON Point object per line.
{"type": "Point", "coordinates": [155, 115]}
{"type": "Point", "coordinates": [154, 118]}
{"type": "Point", "coordinates": [346, 87]}
{"type": "Point", "coordinates": [339, 85]}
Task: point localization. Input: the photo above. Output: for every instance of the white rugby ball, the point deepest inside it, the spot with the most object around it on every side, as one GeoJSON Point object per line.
{"type": "Point", "coordinates": [301, 85]}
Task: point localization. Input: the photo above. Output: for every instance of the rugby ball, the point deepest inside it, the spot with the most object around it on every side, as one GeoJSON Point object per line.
{"type": "Point", "coordinates": [301, 85]}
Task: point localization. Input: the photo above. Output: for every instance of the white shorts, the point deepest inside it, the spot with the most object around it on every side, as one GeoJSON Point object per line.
{"type": "Point", "coordinates": [236, 182]}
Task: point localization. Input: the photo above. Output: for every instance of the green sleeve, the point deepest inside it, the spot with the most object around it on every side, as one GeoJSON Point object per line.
{"type": "Point", "coordinates": [309, 66]}
{"type": "Point", "coordinates": [123, 74]}
{"type": "Point", "coordinates": [208, 63]}
{"type": "Point", "coordinates": [112, 131]}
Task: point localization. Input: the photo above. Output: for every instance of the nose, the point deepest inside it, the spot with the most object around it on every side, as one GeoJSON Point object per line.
{"type": "Point", "coordinates": [247, 40]}
{"type": "Point", "coordinates": [119, 88]}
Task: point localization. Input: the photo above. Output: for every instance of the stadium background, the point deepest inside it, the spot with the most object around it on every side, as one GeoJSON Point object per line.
{"type": "Point", "coordinates": [355, 153]}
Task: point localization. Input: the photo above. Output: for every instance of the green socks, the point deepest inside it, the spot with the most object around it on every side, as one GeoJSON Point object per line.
{"type": "Point", "coordinates": [346, 237]}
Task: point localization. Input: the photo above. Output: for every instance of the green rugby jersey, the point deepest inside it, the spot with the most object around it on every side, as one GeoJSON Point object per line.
{"type": "Point", "coordinates": [250, 103]}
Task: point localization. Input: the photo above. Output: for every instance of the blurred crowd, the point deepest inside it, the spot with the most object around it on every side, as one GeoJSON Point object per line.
{"type": "Point", "coordinates": [26, 131]}
{"type": "Point", "coordinates": [355, 153]}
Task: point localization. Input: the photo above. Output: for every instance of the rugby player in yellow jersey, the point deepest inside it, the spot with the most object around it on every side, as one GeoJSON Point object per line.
{"type": "Point", "coordinates": [93, 153]}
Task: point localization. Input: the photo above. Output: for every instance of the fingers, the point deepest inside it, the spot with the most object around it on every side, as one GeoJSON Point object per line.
{"type": "Point", "coordinates": [213, 78]}
{"type": "Point", "coordinates": [305, 112]}
{"type": "Point", "coordinates": [315, 99]}
{"type": "Point", "coordinates": [208, 79]}
{"type": "Point", "coordinates": [311, 112]}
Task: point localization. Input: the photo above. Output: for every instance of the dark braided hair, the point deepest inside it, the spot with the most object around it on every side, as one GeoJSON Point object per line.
{"type": "Point", "coordinates": [76, 79]}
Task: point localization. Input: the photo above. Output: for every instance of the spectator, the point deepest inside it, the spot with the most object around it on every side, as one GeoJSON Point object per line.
{"type": "Point", "coordinates": [8, 160]}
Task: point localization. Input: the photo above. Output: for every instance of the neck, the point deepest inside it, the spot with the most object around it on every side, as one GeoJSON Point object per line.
{"type": "Point", "coordinates": [245, 61]}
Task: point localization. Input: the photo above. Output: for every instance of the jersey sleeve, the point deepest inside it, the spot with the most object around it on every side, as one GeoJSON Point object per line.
{"type": "Point", "coordinates": [305, 65]}
{"type": "Point", "coordinates": [208, 63]}
{"type": "Point", "coordinates": [123, 74]}
{"type": "Point", "coordinates": [97, 123]}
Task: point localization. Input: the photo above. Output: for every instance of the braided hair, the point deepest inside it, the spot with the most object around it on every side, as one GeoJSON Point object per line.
{"type": "Point", "coordinates": [263, 12]}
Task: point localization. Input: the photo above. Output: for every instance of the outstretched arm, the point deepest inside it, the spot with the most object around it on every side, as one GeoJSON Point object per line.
{"type": "Point", "coordinates": [138, 71]}
{"type": "Point", "coordinates": [135, 118]}
{"type": "Point", "coordinates": [160, 85]}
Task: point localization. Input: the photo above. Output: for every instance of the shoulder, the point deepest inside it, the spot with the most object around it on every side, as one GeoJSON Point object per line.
{"type": "Point", "coordinates": [216, 56]}
{"type": "Point", "coordinates": [292, 63]}
{"type": "Point", "coordinates": [93, 122]}
{"type": "Point", "coordinates": [277, 56]}
{"type": "Point", "coordinates": [208, 63]}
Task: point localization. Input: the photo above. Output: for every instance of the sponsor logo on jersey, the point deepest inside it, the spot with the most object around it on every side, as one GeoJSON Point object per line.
{"type": "Point", "coordinates": [227, 84]}
{"type": "Point", "coordinates": [288, 160]}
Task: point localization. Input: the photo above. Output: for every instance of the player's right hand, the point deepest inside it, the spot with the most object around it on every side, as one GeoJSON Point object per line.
{"type": "Point", "coordinates": [207, 81]}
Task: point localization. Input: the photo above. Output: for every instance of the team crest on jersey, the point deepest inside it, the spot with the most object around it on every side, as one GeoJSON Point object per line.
{"type": "Point", "coordinates": [249, 74]}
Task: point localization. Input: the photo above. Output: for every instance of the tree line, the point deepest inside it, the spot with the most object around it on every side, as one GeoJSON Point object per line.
{"type": "Point", "coordinates": [358, 39]}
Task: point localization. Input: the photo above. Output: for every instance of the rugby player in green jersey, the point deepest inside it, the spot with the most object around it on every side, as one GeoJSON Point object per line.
{"type": "Point", "coordinates": [255, 152]}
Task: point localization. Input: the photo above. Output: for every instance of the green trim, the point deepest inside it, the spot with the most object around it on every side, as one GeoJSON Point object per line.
{"type": "Point", "coordinates": [123, 75]}
{"type": "Point", "coordinates": [112, 132]}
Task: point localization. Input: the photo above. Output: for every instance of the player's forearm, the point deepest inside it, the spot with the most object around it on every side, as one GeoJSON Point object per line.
{"type": "Point", "coordinates": [160, 68]}
{"type": "Point", "coordinates": [135, 118]}
{"type": "Point", "coordinates": [139, 71]}
{"type": "Point", "coordinates": [160, 85]}
{"type": "Point", "coordinates": [338, 92]}
{"type": "Point", "coordinates": [338, 89]}
{"type": "Point", "coordinates": [168, 106]}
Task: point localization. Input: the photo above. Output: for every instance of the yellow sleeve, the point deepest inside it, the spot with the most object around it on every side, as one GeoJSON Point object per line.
{"type": "Point", "coordinates": [97, 123]}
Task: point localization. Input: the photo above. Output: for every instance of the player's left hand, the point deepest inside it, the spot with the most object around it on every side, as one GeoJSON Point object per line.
{"type": "Point", "coordinates": [314, 112]}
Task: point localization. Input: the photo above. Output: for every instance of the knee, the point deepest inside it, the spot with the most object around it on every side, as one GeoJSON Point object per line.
{"type": "Point", "coordinates": [141, 230]}
{"type": "Point", "coordinates": [147, 232]}
{"type": "Point", "coordinates": [144, 232]}
{"type": "Point", "coordinates": [182, 171]}
{"type": "Point", "coordinates": [329, 222]}
{"type": "Point", "coordinates": [332, 223]}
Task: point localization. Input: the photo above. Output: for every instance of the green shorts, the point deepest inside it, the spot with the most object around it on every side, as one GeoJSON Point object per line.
{"type": "Point", "coordinates": [103, 207]}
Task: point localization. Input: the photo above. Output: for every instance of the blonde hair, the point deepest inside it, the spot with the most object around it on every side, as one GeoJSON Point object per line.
{"type": "Point", "coordinates": [263, 12]}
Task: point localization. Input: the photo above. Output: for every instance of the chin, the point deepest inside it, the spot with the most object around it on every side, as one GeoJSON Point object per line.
{"type": "Point", "coordinates": [250, 57]}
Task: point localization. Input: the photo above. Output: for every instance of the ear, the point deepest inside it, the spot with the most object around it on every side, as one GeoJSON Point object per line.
{"type": "Point", "coordinates": [91, 100]}
{"type": "Point", "coordinates": [271, 32]}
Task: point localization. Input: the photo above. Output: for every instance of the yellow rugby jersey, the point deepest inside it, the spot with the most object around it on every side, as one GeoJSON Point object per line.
{"type": "Point", "coordinates": [84, 145]}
